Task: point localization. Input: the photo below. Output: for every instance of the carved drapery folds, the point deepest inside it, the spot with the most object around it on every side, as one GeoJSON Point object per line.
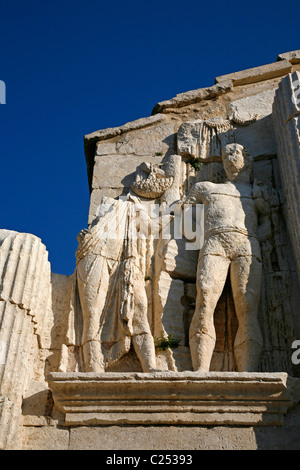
{"type": "Point", "coordinates": [205, 139]}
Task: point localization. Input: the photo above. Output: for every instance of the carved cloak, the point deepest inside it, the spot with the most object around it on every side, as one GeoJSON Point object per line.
{"type": "Point", "coordinates": [109, 266]}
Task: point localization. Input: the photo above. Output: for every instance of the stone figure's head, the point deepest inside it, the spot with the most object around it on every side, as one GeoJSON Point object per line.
{"type": "Point", "coordinates": [237, 162]}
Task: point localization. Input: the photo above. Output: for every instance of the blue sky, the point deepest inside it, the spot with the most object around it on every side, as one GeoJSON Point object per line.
{"type": "Point", "coordinates": [75, 66]}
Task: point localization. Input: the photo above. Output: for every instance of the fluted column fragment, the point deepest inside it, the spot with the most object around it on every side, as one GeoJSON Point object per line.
{"type": "Point", "coordinates": [25, 297]}
{"type": "Point", "coordinates": [286, 117]}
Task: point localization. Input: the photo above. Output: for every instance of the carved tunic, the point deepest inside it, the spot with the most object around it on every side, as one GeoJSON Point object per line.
{"type": "Point", "coordinates": [110, 281]}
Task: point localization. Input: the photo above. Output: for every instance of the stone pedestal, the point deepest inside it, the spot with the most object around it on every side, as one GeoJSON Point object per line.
{"type": "Point", "coordinates": [170, 398]}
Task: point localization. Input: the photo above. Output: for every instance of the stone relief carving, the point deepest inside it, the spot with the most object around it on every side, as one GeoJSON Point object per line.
{"type": "Point", "coordinates": [118, 310]}
{"type": "Point", "coordinates": [275, 306]}
{"type": "Point", "coordinates": [205, 139]}
{"type": "Point", "coordinates": [169, 293]}
{"type": "Point", "coordinates": [154, 185]}
{"type": "Point", "coordinates": [230, 242]}
{"type": "Point", "coordinates": [250, 118]}
{"type": "Point", "coordinates": [113, 262]}
{"type": "Point", "coordinates": [128, 290]}
{"type": "Point", "coordinates": [164, 181]}
{"type": "Point", "coordinates": [110, 276]}
{"type": "Point", "coordinates": [243, 119]}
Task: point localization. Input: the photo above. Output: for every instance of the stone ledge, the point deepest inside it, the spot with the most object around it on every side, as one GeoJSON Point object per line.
{"type": "Point", "coordinates": [109, 133]}
{"type": "Point", "coordinates": [292, 56]}
{"type": "Point", "coordinates": [193, 96]}
{"type": "Point", "coordinates": [170, 398]}
{"type": "Point", "coordinates": [257, 74]}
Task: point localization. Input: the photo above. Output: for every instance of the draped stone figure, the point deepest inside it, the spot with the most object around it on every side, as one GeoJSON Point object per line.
{"type": "Point", "coordinates": [111, 288]}
{"type": "Point", "coordinates": [230, 242]}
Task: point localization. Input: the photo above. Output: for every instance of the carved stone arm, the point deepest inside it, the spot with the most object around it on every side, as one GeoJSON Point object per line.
{"type": "Point", "coordinates": [195, 195]}
{"type": "Point", "coordinates": [261, 197]}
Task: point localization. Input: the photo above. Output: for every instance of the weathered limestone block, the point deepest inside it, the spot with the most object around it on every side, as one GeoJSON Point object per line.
{"type": "Point", "coordinates": [96, 198]}
{"type": "Point", "coordinates": [151, 140]}
{"type": "Point", "coordinates": [257, 74]}
{"type": "Point", "coordinates": [141, 123]}
{"type": "Point", "coordinates": [169, 318]}
{"type": "Point", "coordinates": [61, 306]}
{"type": "Point", "coordinates": [263, 171]}
{"type": "Point", "coordinates": [91, 140]}
{"type": "Point", "coordinates": [171, 292]}
{"type": "Point", "coordinates": [252, 107]}
{"type": "Point", "coordinates": [9, 424]}
{"type": "Point", "coordinates": [168, 398]}
{"type": "Point", "coordinates": [104, 148]}
{"type": "Point", "coordinates": [148, 141]}
{"type": "Point", "coordinates": [117, 171]}
{"type": "Point", "coordinates": [25, 298]}
{"type": "Point", "coordinates": [62, 291]}
{"type": "Point", "coordinates": [193, 96]}
{"type": "Point", "coordinates": [175, 269]}
{"type": "Point", "coordinates": [113, 175]}
{"type": "Point", "coordinates": [258, 138]}
{"type": "Point", "coordinates": [293, 56]}
{"type": "Point", "coordinates": [179, 262]}
{"type": "Point", "coordinates": [167, 438]}
{"type": "Point", "coordinates": [45, 438]}
{"type": "Point", "coordinates": [204, 139]}
{"type": "Point", "coordinates": [116, 162]}
{"type": "Point", "coordinates": [286, 118]}
{"type": "Point", "coordinates": [250, 124]}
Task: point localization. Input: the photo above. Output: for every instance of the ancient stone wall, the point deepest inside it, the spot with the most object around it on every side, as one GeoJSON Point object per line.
{"type": "Point", "coordinates": [41, 325]}
{"type": "Point", "coordinates": [286, 110]}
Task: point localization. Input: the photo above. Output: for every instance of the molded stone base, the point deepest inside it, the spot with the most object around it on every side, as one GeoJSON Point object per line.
{"type": "Point", "coordinates": [170, 398]}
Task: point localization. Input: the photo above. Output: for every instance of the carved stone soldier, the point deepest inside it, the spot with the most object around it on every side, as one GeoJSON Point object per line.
{"type": "Point", "coordinates": [111, 287]}
{"type": "Point", "coordinates": [230, 243]}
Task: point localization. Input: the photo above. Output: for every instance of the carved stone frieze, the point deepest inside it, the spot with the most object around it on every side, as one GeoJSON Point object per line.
{"type": "Point", "coordinates": [182, 309]}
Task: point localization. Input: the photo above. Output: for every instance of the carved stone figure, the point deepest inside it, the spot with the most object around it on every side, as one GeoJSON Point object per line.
{"type": "Point", "coordinates": [156, 183]}
{"type": "Point", "coordinates": [217, 293]}
{"type": "Point", "coordinates": [111, 287]}
{"type": "Point", "coordinates": [230, 242]}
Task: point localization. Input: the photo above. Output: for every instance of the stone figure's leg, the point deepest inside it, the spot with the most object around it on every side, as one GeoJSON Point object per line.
{"type": "Point", "coordinates": [93, 358]}
{"type": "Point", "coordinates": [92, 278]}
{"type": "Point", "coordinates": [144, 347]}
{"type": "Point", "coordinates": [211, 278]}
{"type": "Point", "coordinates": [246, 276]}
{"type": "Point", "coordinates": [142, 339]}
